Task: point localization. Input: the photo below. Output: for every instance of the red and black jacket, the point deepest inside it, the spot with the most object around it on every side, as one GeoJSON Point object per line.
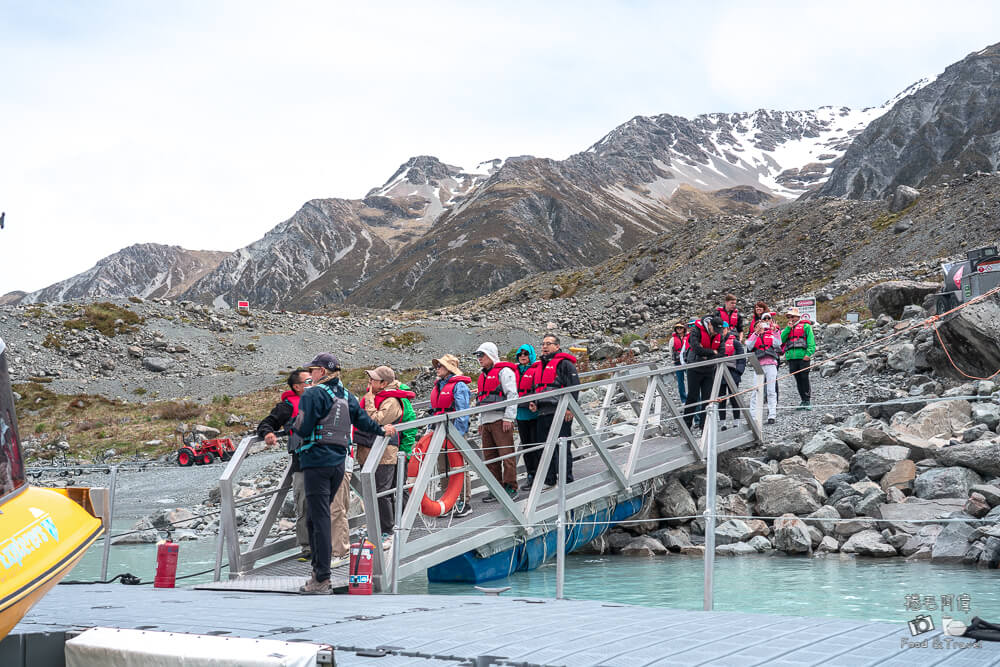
{"type": "Point", "coordinates": [488, 386]}
{"type": "Point", "coordinates": [555, 372]}
{"type": "Point", "coordinates": [364, 439]}
{"type": "Point", "coordinates": [442, 400]}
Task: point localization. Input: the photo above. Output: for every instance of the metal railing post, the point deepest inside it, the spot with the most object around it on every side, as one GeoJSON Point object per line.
{"type": "Point", "coordinates": [111, 519]}
{"type": "Point", "coordinates": [220, 539]}
{"type": "Point", "coordinates": [561, 523]}
{"type": "Point", "coordinates": [711, 429]}
{"type": "Point", "coordinates": [397, 538]}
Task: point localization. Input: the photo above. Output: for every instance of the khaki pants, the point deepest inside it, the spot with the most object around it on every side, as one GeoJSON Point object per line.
{"type": "Point", "coordinates": [340, 532]}
{"type": "Point", "coordinates": [497, 442]}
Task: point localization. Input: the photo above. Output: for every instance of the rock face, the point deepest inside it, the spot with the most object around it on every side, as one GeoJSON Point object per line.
{"type": "Point", "coordinates": [953, 541]}
{"type": "Point", "coordinates": [946, 129]}
{"type": "Point", "coordinates": [674, 500]}
{"type": "Point", "coordinates": [868, 543]}
{"type": "Point", "coordinates": [983, 457]}
{"type": "Point", "coordinates": [953, 482]}
{"type": "Point", "coordinates": [145, 270]}
{"type": "Point", "coordinates": [891, 297]}
{"type": "Point", "coordinates": [791, 535]}
{"type": "Point", "coordinates": [972, 339]}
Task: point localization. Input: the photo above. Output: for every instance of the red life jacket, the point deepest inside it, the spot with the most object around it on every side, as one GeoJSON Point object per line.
{"type": "Point", "coordinates": [765, 340]}
{"type": "Point", "coordinates": [708, 342]}
{"type": "Point", "coordinates": [488, 387]}
{"type": "Point", "coordinates": [797, 339]}
{"type": "Point", "coordinates": [678, 345]}
{"type": "Point", "coordinates": [526, 383]}
{"type": "Point", "coordinates": [441, 401]}
{"type": "Point", "coordinates": [731, 318]}
{"type": "Point", "coordinates": [547, 378]}
{"type": "Point", "coordinates": [293, 400]}
{"type": "Point", "coordinates": [368, 439]}
{"type": "Point", "coordinates": [730, 347]}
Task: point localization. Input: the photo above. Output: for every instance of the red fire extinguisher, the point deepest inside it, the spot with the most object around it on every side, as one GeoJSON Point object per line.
{"type": "Point", "coordinates": [359, 581]}
{"type": "Point", "coordinates": [166, 564]}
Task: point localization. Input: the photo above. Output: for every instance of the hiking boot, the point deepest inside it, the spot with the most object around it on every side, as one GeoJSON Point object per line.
{"type": "Point", "coordinates": [512, 492]}
{"type": "Point", "coordinates": [490, 498]}
{"type": "Point", "coordinates": [770, 420]}
{"type": "Point", "coordinates": [461, 509]}
{"type": "Point", "coordinates": [527, 483]}
{"type": "Point", "coordinates": [806, 405]}
{"type": "Point", "coordinates": [314, 587]}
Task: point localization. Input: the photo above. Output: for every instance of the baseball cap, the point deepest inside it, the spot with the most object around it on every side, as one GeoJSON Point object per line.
{"type": "Point", "coordinates": [382, 374]}
{"type": "Point", "coordinates": [325, 360]}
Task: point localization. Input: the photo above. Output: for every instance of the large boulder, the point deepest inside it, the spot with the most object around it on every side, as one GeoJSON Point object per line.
{"type": "Point", "coordinates": [644, 546]}
{"type": "Point", "coordinates": [890, 297]}
{"type": "Point", "coordinates": [837, 335]}
{"type": "Point", "coordinates": [826, 465]}
{"type": "Point", "coordinates": [732, 531]}
{"type": "Point", "coordinates": [953, 541]}
{"type": "Point", "coordinates": [825, 518]}
{"type": "Point", "coordinates": [953, 482]}
{"type": "Point", "coordinates": [157, 364]}
{"type": "Point", "coordinates": [902, 198]}
{"type": "Point", "coordinates": [673, 500]}
{"type": "Point", "coordinates": [745, 470]}
{"type": "Point", "coordinates": [898, 515]}
{"type": "Point", "coordinates": [922, 540]}
{"type": "Point", "coordinates": [987, 414]}
{"type": "Point", "coordinates": [874, 463]}
{"type": "Point", "coordinates": [902, 357]}
{"type": "Point", "coordinates": [972, 339]}
{"type": "Point", "coordinates": [937, 419]}
{"type": "Point", "coordinates": [791, 535]}
{"type": "Point", "coordinates": [825, 442]}
{"type": "Point", "coordinates": [780, 494]}
{"type": "Point", "coordinates": [900, 476]}
{"type": "Point", "coordinates": [983, 457]}
{"type": "Point", "coordinates": [868, 543]}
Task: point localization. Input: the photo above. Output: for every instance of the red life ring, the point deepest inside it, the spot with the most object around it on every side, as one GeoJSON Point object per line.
{"type": "Point", "coordinates": [456, 481]}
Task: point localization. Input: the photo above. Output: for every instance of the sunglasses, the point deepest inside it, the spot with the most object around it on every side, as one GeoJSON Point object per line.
{"type": "Point", "coordinates": [480, 355]}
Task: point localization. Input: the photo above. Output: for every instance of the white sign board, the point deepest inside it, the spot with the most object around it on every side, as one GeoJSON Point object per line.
{"type": "Point", "coordinates": [853, 317]}
{"type": "Point", "coordinates": [807, 306]}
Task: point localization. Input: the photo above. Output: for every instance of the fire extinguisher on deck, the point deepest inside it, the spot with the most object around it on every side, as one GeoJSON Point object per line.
{"type": "Point", "coordinates": [359, 581]}
{"type": "Point", "coordinates": [166, 564]}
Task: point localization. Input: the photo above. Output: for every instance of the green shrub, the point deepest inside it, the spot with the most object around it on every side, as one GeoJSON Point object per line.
{"type": "Point", "coordinates": [404, 339]}
{"type": "Point", "coordinates": [103, 316]}
{"type": "Point", "coordinates": [39, 427]}
{"type": "Point", "coordinates": [225, 368]}
{"type": "Point", "coordinates": [630, 338]}
{"type": "Point", "coordinates": [135, 299]}
{"type": "Point", "coordinates": [53, 341]}
{"type": "Point", "coordinates": [139, 391]}
{"type": "Point", "coordinates": [250, 347]}
{"type": "Point", "coordinates": [224, 399]}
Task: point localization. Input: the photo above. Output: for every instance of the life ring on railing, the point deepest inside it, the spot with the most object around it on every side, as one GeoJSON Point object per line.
{"type": "Point", "coordinates": [456, 481]}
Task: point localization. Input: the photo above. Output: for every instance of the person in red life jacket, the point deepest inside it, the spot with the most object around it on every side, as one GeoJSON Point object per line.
{"type": "Point", "coordinates": [731, 316]}
{"type": "Point", "coordinates": [759, 309]}
{"type": "Point", "coordinates": [703, 345]}
{"type": "Point", "coordinates": [322, 438]}
{"type": "Point", "coordinates": [497, 382]}
{"type": "Point", "coordinates": [676, 344]}
{"type": "Point", "coordinates": [526, 419]}
{"type": "Point", "coordinates": [557, 369]}
{"type": "Point", "coordinates": [799, 344]}
{"type": "Point", "coordinates": [281, 417]}
{"type": "Point", "coordinates": [384, 404]}
{"type": "Point", "coordinates": [451, 394]}
{"type": "Point", "coordinates": [765, 341]}
{"type": "Point", "coordinates": [731, 347]}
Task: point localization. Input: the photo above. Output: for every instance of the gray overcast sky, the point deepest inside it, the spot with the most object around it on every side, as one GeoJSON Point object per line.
{"type": "Point", "coordinates": [204, 123]}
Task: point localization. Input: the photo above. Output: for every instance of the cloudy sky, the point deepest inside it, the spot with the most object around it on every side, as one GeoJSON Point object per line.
{"type": "Point", "coordinates": [205, 123]}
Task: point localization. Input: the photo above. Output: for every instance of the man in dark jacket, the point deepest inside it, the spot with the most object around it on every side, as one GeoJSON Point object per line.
{"type": "Point", "coordinates": [566, 375]}
{"type": "Point", "coordinates": [280, 418]}
{"type": "Point", "coordinates": [703, 344]}
{"type": "Point", "coordinates": [323, 434]}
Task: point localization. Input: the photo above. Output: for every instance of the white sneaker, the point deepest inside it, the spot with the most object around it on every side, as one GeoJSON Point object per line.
{"type": "Point", "coordinates": [386, 542]}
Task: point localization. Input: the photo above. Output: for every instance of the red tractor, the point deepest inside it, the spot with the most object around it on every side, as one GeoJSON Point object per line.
{"type": "Point", "coordinates": [197, 450]}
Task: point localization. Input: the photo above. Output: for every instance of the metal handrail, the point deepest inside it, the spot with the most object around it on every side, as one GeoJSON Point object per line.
{"type": "Point", "coordinates": [520, 517]}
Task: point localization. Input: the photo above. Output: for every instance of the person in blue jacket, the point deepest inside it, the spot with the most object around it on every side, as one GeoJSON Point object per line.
{"type": "Point", "coordinates": [322, 430]}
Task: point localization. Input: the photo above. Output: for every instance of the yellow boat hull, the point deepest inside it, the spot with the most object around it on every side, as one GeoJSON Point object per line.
{"type": "Point", "coordinates": [43, 534]}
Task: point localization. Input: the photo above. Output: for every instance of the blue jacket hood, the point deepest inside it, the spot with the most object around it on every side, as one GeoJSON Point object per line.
{"type": "Point", "coordinates": [531, 352]}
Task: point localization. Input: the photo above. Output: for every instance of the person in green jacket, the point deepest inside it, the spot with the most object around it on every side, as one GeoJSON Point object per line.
{"type": "Point", "coordinates": [799, 345]}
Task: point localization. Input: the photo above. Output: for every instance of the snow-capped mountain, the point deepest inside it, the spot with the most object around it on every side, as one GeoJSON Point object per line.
{"type": "Point", "coordinates": [143, 269]}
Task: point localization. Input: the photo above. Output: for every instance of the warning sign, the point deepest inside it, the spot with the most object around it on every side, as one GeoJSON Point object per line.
{"type": "Point", "coordinates": [807, 306]}
{"type": "Point", "coordinates": [243, 305]}
{"type": "Point", "coordinates": [988, 267]}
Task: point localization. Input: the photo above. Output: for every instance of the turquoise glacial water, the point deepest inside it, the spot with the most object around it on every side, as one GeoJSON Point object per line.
{"type": "Point", "coordinates": [864, 589]}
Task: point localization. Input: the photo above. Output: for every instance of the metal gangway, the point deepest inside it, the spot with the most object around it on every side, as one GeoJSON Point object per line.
{"type": "Point", "coordinates": [613, 462]}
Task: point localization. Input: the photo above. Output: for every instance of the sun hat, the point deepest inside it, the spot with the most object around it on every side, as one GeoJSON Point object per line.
{"type": "Point", "coordinates": [449, 361]}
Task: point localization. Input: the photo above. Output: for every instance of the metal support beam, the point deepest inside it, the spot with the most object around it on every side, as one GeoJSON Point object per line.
{"type": "Point", "coordinates": [682, 426]}
{"type": "Point", "coordinates": [473, 461]}
{"type": "Point", "coordinates": [711, 429]}
{"type": "Point", "coordinates": [599, 446]}
{"type": "Point", "coordinates": [640, 427]}
{"type": "Point", "coordinates": [543, 464]}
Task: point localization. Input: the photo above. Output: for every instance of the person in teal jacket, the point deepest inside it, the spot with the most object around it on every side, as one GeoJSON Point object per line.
{"type": "Point", "coordinates": [799, 345]}
{"type": "Point", "coordinates": [526, 419]}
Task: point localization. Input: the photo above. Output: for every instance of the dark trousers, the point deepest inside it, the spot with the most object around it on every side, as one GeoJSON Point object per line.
{"type": "Point", "coordinates": [542, 426]}
{"type": "Point", "coordinates": [385, 480]}
{"type": "Point", "coordinates": [699, 389]}
{"type": "Point", "coordinates": [527, 432]}
{"type": "Point", "coordinates": [321, 486]}
{"type": "Point", "coordinates": [680, 386]}
{"type": "Point", "coordinates": [801, 379]}
{"type": "Point", "coordinates": [733, 405]}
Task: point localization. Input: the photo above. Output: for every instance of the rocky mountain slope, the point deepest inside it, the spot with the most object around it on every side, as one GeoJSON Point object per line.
{"type": "Point", "coordinates": [946, 129]}
{"type": "Point", "coordinates": [143, 269]}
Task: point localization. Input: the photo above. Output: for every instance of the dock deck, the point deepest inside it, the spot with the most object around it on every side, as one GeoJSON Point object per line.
{"type": "Point", "coordinates": [429, 630]}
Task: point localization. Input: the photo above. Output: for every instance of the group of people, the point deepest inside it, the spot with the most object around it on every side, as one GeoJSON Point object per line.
{"type": "Point", "coordinates": [327, 427]}
{"type": "Point", "coordinates": [724, 333]}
